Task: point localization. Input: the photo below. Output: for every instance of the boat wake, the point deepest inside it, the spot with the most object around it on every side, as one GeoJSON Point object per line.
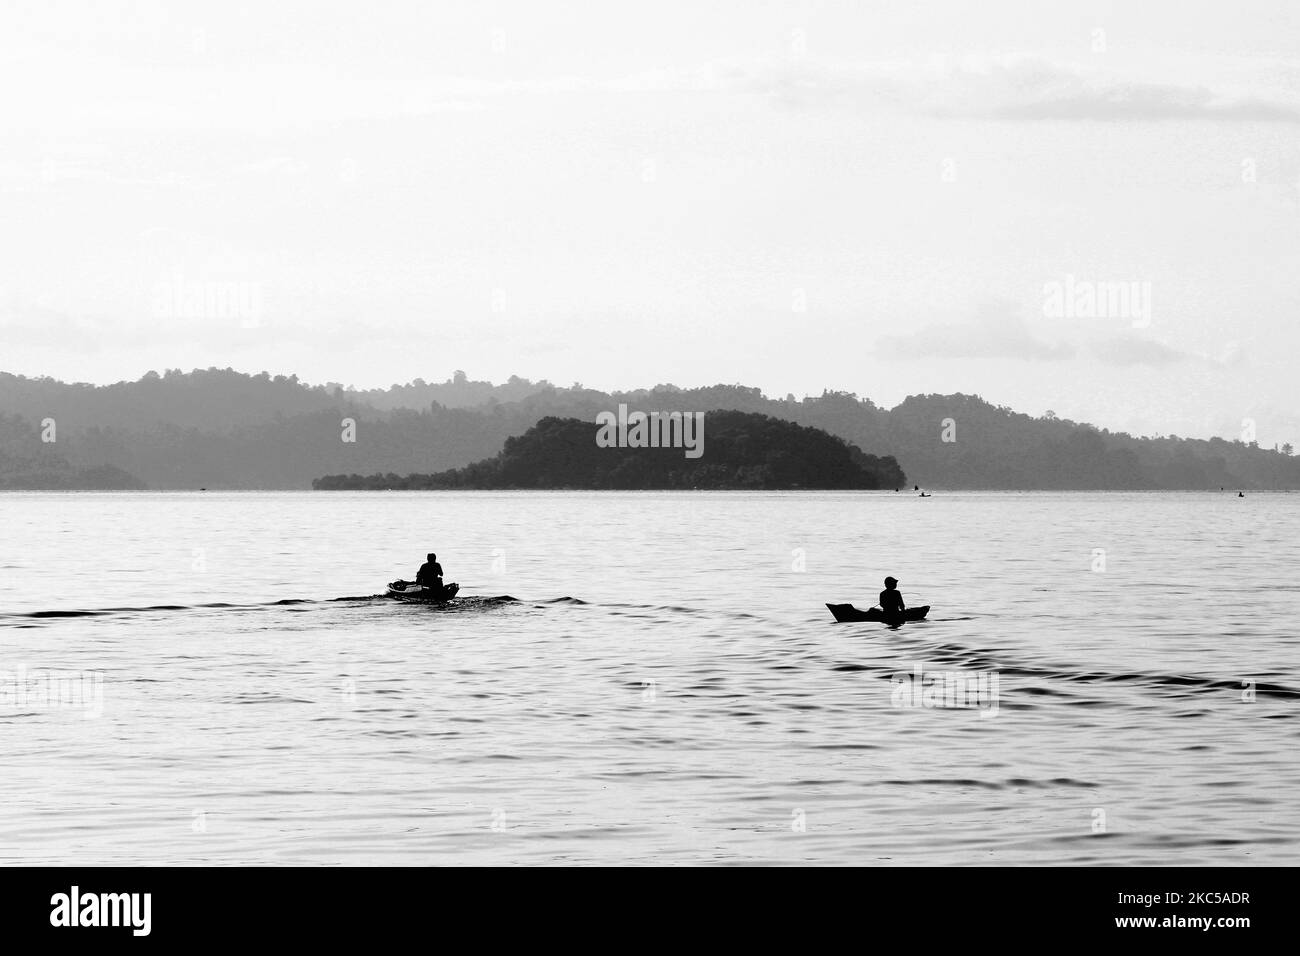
{"type": "Point", "coordinates": [463, 603]}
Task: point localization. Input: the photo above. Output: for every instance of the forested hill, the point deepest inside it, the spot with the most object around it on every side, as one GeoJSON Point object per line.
{"type": "Point", "coordinates": [27, 463]}
{"type": "Point", "coordinates": [737, 450]}
{"type": "Point", "coordinates": [222, 399]}
{"type": "Point", "coordinates": [225, 429]}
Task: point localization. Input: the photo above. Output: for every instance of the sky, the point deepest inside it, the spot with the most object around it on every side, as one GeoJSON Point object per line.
{"type": "Point", "coordinates": [881, 198]}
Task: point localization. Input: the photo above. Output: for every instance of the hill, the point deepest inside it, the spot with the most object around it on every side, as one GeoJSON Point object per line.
{"type": "Point", "coordinates": [224, 429]}
{"type": "Point", "coordinates": [742, 450]}
{"type": "Point", "coordinates": [27, 464]}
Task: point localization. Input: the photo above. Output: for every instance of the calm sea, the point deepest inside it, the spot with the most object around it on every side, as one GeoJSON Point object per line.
{"type": "Point", "coordinates": [649, 678]}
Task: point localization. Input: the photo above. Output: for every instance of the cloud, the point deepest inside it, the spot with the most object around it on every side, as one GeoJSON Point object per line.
{"type": "Point", "coordinates": [1013, 87]}
{"type": "Point", "coordinates": [996, 333]}
{"type": "Point", "coordinates": [1036, 90]}
{"type": "Point", "coordinates": [272, 166]}
{"type": "Point", "coordinates": [1128, 350]}
{"type": "Point", "coordinates": [1233, 353]}
{"type": "Point", "coordinates": [1134, 350]}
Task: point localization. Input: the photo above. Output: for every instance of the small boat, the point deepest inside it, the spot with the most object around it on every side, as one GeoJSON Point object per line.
{"type": "Point", "coordinates": [847, 612]}
{"type": "Point", "coordinates": [410, 591]}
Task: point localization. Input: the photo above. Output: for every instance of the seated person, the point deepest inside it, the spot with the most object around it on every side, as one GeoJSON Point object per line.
{"type": "Point", "coordinates": [891, 601]}
{"type": "Point", "coordinates": [430, 573]}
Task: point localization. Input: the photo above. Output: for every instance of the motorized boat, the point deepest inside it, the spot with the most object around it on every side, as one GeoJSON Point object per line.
{"type": "Point", "coordinates": [410, 591]}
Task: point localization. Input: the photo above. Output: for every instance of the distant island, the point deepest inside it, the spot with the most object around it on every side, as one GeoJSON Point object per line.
{"type": "Point", "coordinates": [742, 450]}
{"type": "Point", "coordinates": [223, 429]}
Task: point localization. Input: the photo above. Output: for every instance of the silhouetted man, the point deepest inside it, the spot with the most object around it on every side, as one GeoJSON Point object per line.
{"type": "Point", "coordinates": [891, 601]}
{"type": "Point", "coordinates": [430, 573]}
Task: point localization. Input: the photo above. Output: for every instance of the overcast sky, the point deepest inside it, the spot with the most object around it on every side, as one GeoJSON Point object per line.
{"type": "Point", "coordinates": [874, 197]}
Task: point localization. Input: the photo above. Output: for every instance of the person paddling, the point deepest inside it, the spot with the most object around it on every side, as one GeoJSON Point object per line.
{"type": "Point", "coordinates": [891, 600]}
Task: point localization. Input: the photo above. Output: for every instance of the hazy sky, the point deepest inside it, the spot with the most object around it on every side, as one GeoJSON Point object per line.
{"type": "Point", "coordinates": [872, 197]}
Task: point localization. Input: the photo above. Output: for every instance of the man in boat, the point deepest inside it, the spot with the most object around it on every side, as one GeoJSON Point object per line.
{"type": "Point", "coordinates": [430, 573]}
{"type": "Point", "coordinates": [891, 601]}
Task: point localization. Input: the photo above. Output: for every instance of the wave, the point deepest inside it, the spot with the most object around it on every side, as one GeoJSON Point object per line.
{"type": "Point", "coordinates": [1013, 783]}
{"type": "Point", "coordinates": [978, 660]}
{"type": "Point", "coordinates": [679, 609]}
{"type": "Point", "coordinates": [467, 601]}
{"type": "Point", "coordinates": [462, 602]}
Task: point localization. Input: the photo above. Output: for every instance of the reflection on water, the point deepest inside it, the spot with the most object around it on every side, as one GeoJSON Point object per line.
{"type": "Point", "coordinates": [649, 678]}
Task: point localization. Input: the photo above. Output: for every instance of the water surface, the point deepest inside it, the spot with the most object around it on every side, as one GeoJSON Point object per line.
{"type": "Point", "coordinates": [650, 678]}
